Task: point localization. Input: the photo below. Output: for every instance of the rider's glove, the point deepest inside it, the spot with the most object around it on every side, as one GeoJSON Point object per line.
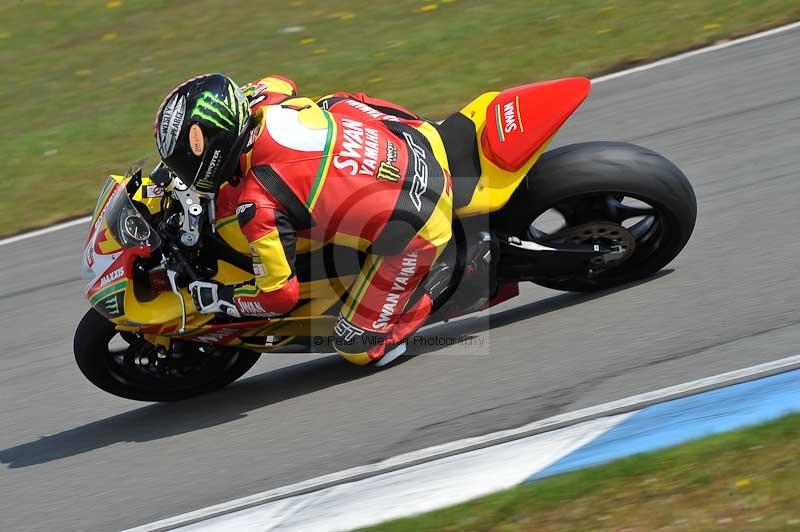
{"type": "Point", "coordinates": [212, 298]}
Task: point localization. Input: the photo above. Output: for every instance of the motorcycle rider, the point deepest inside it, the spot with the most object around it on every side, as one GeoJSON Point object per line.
{"type": "Point", "coordinates": [293, 175]}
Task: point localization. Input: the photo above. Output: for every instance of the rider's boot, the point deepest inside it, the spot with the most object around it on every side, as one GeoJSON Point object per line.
{"type": "Point", "coordinates": [408, 323]}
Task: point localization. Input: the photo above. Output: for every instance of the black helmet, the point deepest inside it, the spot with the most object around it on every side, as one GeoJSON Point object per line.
{"type": "Point", "coordinates": [201, 128]}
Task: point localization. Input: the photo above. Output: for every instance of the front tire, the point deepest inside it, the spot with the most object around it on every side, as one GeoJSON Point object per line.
{"type": "Point", "coordinates": [588, 184]}
{"type": "Point", "coordinates": [117, 373]}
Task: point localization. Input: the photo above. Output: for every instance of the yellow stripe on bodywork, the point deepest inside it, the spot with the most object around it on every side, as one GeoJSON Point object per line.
{"type": "Point", "coordinates": [109, 244]}
{"type": "Point", "coordinates": [232, 234]}
{"type": "Point", "coordinates": [230, 274]}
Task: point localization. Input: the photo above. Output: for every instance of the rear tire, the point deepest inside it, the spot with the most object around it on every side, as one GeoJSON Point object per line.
{"type": "Point", "coordinates": [580, 172]}
{"type": "Point", "coordinates": [98, 364]}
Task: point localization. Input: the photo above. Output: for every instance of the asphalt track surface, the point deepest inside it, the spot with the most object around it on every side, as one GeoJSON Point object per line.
{"type": "Point", "coordinates": [73, 458]}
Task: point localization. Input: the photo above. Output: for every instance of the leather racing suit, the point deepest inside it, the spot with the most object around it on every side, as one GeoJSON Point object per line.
{"type": "Point", "coordinates": [348, 169]}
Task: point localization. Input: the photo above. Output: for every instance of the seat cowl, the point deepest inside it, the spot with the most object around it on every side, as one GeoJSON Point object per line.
{"type": "Point", "coordinates": [521, 119]}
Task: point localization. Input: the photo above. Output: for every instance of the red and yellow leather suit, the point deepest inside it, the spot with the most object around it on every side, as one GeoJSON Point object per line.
{"type": "Point", "coordinates": [352, 170]}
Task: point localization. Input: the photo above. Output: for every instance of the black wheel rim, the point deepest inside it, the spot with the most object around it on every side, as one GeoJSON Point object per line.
{"type": "Point", "coordinates": [640, 218]}
{"type": "Point", "coordinates": [139, 366]}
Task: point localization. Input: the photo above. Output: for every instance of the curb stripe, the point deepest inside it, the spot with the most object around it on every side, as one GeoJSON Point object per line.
{"type": "Point", "coordinates": [688, 418]}
{"type": "Point", "coordinates": [451, 450]}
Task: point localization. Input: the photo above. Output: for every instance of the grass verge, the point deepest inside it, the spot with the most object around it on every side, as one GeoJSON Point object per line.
{"type": "Point", "coordinates": [742, 480]}
{"type": "Point", "coordinates": [82, 78]}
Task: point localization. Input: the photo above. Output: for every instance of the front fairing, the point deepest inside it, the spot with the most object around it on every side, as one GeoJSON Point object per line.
{"type": "Point", "coordinates": [119, 271]}
{"type": "Point", "coordinates": [119, 234]}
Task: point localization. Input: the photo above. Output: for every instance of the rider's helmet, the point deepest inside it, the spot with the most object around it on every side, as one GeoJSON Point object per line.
{"type": "Point", "coordinates": [201, 129]}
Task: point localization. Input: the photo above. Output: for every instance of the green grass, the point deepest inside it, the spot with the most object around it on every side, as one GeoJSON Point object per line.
{"type": "Point", "coordinates": [81, 79]}
{"type": "Point", "coordinates": [742, 480]}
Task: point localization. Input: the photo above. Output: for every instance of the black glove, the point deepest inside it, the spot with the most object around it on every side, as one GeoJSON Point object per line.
{"type": "Point", "coordinates": [211, 297]}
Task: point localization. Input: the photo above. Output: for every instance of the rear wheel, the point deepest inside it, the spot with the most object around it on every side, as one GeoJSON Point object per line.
{"type": "Point", "coordinates": [617, 195]}
{"type": "Point", "coordinates": [123, 364]}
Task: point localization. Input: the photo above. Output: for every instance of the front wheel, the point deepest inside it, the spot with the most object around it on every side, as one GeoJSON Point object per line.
{"type": "Point", "coordinates": [614, 194]}
{"type": "Point", "coordinates": [123, 364]}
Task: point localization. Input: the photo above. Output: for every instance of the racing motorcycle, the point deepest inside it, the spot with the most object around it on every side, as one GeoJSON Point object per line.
{"type": "Point", "coordinates": [583, 217]}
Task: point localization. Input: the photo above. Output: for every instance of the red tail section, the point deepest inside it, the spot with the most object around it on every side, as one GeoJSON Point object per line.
{"type": "Point", "coordinates": [521, 119]}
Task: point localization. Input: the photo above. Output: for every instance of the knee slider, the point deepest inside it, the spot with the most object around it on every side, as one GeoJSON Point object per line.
{"type": "Point", "coordinates": [349, 339]}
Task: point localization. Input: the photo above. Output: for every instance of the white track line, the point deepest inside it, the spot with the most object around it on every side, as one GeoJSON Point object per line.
{"type": "Point", "coordinates": [601, 79]}
{"type": "Point", "coordinates": [699, 51]}
{"type": "Point", "coordinates": [46, 230]}
{"type": "Point", "coordinates": [402, 461]}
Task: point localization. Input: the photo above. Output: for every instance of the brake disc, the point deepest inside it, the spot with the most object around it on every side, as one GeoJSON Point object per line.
{"type": "Point", "coordinates": [617, 237]}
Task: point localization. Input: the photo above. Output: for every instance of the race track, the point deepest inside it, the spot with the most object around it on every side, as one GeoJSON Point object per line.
{"type": "Point", "coordinates": [75, 459]}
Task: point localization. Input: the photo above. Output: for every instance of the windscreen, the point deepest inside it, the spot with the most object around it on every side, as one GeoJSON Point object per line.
{"type": "Point", "coordinates": [117, 225]}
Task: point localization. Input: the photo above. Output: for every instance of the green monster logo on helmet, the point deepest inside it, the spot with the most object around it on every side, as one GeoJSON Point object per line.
{"type": "Point", "coordinates": [226, 114]}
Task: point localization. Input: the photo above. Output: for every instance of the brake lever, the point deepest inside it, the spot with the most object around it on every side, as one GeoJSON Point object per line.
{"type": "Point", "coordinates": [172, 275]}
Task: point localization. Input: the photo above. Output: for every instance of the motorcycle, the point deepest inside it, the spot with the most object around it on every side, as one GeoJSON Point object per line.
{"type": "Point", "coordinates": [583, 217]}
